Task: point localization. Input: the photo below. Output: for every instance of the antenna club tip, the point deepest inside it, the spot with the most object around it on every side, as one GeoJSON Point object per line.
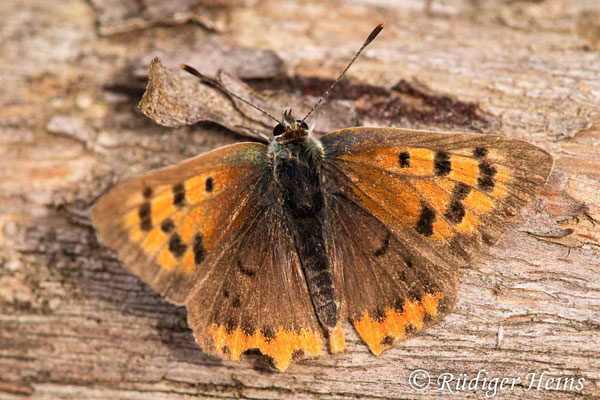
{"type": "Point", "coordinates": [183, 66]}
{"type": "Point", "coordinates": [374, 33]}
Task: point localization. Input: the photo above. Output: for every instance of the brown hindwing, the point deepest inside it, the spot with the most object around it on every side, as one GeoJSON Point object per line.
{"type": "Point", "coordinates": [255, 296]}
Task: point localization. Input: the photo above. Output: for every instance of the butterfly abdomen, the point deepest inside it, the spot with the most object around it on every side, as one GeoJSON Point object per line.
{"type": "Point", "coordinates": [296, 171]}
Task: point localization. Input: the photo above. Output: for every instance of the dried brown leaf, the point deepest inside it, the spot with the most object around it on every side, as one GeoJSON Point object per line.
{"type": "Point", "coordinates": [175, 99]}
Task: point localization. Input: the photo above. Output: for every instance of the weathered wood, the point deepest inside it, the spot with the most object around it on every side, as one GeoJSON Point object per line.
{"type": "Point", "coordinates": [74, 324]}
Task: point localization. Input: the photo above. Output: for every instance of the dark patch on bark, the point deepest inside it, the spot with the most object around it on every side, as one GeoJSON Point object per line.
{"type": "Point", "coordinates": [404, 100]}
{"type": "Point", "coordinates": [411, 102]}
{"type": "Point", "coordinates": [315, 86]}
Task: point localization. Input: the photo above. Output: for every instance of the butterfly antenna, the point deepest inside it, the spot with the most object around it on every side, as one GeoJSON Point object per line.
{"type": "Point", "coordinates": [216, 83]}
{"type": "Point", "coordinates": [371, 37]}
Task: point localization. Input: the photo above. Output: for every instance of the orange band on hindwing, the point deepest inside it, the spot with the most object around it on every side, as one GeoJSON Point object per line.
{"type": "Point", "coordinates": [392, 327]}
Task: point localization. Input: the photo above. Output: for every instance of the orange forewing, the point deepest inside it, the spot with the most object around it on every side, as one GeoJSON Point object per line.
{"type": "Point", "coordinates": [439, 196]}
{"type": "Point", "coordinates": [153, 221]}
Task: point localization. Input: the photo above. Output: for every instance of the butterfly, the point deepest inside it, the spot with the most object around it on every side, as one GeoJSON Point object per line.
{"type": "Point", "coordinates": [271, 246]}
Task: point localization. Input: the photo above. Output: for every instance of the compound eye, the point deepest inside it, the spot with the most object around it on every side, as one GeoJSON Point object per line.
{"type": "Point", "coordinates": [303, 125]}
{"type": "Point", "coordinates": [278, 130]}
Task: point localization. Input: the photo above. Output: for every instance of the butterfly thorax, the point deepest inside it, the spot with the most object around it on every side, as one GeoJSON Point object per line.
{"type": "Point", "coordinates": [296, 160]}
{"type": "Point", "coordinates": [296, 171]}
{"type": "Point", "coordinates": [296, 157]}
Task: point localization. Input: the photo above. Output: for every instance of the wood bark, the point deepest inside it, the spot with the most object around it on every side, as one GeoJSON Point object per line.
{"type": "Point", "coordinates": [75, 325]}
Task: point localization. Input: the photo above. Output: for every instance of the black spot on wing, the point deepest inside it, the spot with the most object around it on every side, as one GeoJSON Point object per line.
{"type": "Point", "coordinates": [268, 333]}
{"type": "Point", "coordinates": [384, 246]}
{"type": "Point", "coordinates": [426, 219]}
{"type": "Point", "coordinates": [427, 319]}
{"type": "Point", "coordinates": [387, 341]}
{"type": "Point", "coordinates": [298, 355]}
{"type": "Point", "coordinates": [245, 271]}
{"type": "Point", "coordinates": [167, 225]}
{"type": "Point", "coordinates": [455, 212]}
{"type": "Point", "coordinates": [404, 159]}
{"type": "Point", "coordinates": [247, 327]}
{"type": "Point", "coordinates": [147, 192]}
{"type": "Point", "coordinates": [379, 314]}
{"type": "Point", "coordinates": [176, 246]}
{"type": "Point", "coordinates": [209, 184]}
{"type": "Point", "coordinates": [461, 191]}
{"type": "Point", "coordinates": [230, 325]}
{"type": "Point", "coordinates": [410, 330]}
{"type": "Point", "coordinates": [480, 152]}
{"type": "Point", "coordinates": [399, 305]}
{"type": "Point", "coordinates": [441, 163]}
{"type": "Point", "coordinates": [236, 302]}
{"type": "Point", "coordinates": [487, 239]}
{"type": "Point", "coordinates": [179, 195]}
{"type": "Point", "coordinates": [199, 251]}
{"type": "Point", "coordinates": [415, 293]}
{"type": "Point", "coordinates": [145, 214]}
{"type": "Point", "coordinates": [485, 181]}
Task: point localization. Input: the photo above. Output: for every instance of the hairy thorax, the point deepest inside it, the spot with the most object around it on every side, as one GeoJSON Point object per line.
{"type": "Point", "coordinates": [296, 171]}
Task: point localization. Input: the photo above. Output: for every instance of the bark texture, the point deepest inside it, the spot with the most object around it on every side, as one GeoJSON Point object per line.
{"type": "Point", "coordinates": [75, 325]}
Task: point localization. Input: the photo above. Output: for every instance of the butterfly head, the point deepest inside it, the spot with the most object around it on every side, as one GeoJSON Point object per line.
{"type": "Point", "coordinates": [290, 130]}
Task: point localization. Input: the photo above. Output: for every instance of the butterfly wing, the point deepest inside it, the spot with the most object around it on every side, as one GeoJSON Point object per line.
{"type": "Point", "coordinates": [164, 223]}
{"type": "Point", "coordinates": [209, 233]}
{"type": "Point", "coordinates": [424, 204]}
{"type": "Point", "coordinates": [256, 297]}
{"type": "Point", "coordinates": [389, 289]}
